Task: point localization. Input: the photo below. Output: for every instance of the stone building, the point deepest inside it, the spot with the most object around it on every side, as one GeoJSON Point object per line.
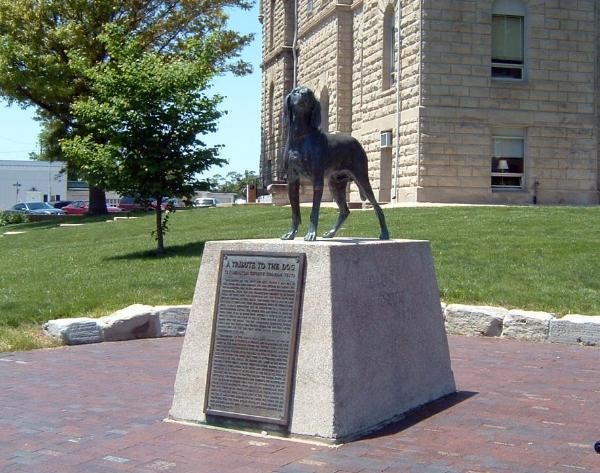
{"type": "Point", "coordinates": [476, 101]}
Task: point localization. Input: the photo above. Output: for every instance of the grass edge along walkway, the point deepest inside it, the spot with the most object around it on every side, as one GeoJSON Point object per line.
{"type": "Point", "coordinates": [532, 258]}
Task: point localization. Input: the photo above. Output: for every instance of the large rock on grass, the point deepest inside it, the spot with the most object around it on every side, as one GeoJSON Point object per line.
{"type": "Point", "coordinates": [527, 325]}
{"type": "Point", "coordinates": [576, 329]}
{"type": "Point", "coordinates": [77, 331]}
{"type": "Point", "coordinates": [132, 322]}
{"type": "Point", "coordinates": [173, 319]}
{"type": "Point", "coordinates": [474, 320]}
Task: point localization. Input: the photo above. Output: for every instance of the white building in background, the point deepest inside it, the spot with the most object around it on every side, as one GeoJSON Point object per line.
{"type": "Point", "coordinates": [31, 181]}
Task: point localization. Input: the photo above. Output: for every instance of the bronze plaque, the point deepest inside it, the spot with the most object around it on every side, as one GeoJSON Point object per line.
{"type": "Point", "coordinates": [253, 345]}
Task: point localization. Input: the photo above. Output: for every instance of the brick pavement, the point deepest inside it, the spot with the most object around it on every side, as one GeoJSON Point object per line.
{"type": "Point", "coordinates": [522, 407]}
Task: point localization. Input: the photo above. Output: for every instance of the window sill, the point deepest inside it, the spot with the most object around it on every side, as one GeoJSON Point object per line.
{"type": "Point", "coordinates": [389, 91]}
{"type": "Point", "coordinates": [509, 189]}
{"type": "Point", "coordinates": [507, 80]}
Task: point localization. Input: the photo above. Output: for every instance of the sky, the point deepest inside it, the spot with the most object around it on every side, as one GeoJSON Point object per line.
{"type": "Point", "coordinates": [239, 130]}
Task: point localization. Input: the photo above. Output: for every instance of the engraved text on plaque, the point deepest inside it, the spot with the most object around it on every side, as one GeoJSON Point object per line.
{"type": "Point", "coordinates": [254, 336]}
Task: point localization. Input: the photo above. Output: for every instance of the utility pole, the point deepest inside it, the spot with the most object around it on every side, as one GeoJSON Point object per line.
{"type": "Point", "coordinates": [17, 185]}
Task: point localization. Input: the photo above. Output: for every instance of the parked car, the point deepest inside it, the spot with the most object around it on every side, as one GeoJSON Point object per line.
{"type": "Point", "coordinates": [61, 203]}
{"type": "Point", "coordinates": [169, 202]}
{"type": "Point", "coordinates": [130, 204]}
{"type": "Point", "coordinates": [205, 202]}
{"type": "Point", "coordinates": [36, 208]}
{"type": "Point", "coordinates": [80, 207]}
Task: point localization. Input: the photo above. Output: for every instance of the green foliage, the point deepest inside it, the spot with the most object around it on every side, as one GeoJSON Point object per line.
{"type": "Point", "coordinates": [12, 218]}
{"type": "Point", "coordinates": [145, 119]}
{"type": "Point", "coordinates": [43, 42]}
{"type": "Point", "coordinates": [233, 182]}
{"type": "Point", "coordinates": [49, 47]}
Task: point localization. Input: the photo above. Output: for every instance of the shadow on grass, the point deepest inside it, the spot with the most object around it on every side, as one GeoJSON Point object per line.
{"type": "Point", "coordinates": [189, 249]}
{"type": "Point", "coordinates": [422, 413]}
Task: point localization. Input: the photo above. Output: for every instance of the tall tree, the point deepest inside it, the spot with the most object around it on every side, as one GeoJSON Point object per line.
{"type": "Point", "coordinates": [45, 43]}
{"type": "Point", "coordinates": [145, 119]}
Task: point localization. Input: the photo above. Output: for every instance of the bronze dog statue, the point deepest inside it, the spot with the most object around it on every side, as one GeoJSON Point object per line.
{"type": "Point", "coordinates": [312, 154]}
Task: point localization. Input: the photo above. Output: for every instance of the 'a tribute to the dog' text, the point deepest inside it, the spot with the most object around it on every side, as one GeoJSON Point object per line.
{"type": "Point", "coordinates": [254, 336]}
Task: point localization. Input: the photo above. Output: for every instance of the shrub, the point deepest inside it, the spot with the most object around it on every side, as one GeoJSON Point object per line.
{"type": "Point", "coordinates": [10, 218]}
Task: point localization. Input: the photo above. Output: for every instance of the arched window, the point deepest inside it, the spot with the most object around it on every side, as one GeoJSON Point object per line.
{"type": "Point", "coordinates": [324, 99]}
{"type": "Point", "coordinates": [508, 39]}
{"type": "Point", "coordinates": [390, 48]}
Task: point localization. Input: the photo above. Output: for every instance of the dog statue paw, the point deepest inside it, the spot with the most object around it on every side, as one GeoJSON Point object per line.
{"type": "Point", "coordinates": [310, 236]}
{"type": "Point", "coordinates": [289, 235]}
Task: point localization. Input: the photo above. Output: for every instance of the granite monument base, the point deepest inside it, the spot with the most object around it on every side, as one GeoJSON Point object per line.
{"type": "Point", "coordinates": [371, 342]}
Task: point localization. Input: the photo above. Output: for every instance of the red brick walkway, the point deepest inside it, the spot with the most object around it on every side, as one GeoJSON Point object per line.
{"type": "Point", "coordinates": [522, 407]}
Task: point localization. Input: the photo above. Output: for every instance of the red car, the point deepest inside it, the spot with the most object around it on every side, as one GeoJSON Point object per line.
{"type": "Point", "coordinates": [80, 207]}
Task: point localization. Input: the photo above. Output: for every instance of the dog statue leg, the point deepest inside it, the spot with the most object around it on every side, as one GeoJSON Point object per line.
{"type": "Point", "coordinates": [384, 234]}
{"type": "Point", "coordinates": [368, 193]}
{"type": "Point", "coordinates": [294, 196]}
{"type": "Point", "coordinates": [314, 213]}
{"type": "Point", "coordinates": [338, 191]}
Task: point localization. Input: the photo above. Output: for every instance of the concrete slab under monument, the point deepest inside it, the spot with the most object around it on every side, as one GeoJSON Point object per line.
{"type": "Point", "coordinates": [371, 343]}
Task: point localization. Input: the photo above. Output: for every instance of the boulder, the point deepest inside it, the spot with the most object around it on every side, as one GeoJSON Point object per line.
{"type": "Point", "coordinates": [173, 319]}
{"type": "Point", "coordinates": [132, 322]}
{"type": "Point", "coordinates": [474, 320]}
{"type": "Point", "coordinates": [77, 331]}
{"type": "Point", "coordinates": [576, 329]}
{"type": "Point", "coordinates": [527, 325]}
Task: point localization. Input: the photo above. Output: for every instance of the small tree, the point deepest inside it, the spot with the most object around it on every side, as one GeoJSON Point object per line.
{"type": "Point", "coordinates": [144, 121]}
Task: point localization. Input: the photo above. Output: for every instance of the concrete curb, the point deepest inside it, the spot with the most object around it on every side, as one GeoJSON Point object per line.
{"type": "Point", "coordinates": [132, 322]}
{"type": "Point", "coordinates": [144, 321]}
{"type": "Point", "coordinates": [518, 324]}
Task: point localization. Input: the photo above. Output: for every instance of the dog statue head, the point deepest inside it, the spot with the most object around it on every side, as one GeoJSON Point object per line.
{"type": "Point", "coordinates": [303, 108]}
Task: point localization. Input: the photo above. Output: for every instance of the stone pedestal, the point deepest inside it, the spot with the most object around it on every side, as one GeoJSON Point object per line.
{"type": "Point", "coordinates": [371, 345]}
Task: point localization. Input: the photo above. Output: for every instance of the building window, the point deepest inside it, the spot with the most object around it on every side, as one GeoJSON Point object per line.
{"type": "Point", "coordinates": [508, 158]}
{"type": "Point", "coordinates": [508, 39]}
{"type": "Point", "coordinates": [390, 48]}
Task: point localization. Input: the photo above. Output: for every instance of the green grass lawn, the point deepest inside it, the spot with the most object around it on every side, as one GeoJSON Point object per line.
{"type": "Point", "coordinates": [543, 258]}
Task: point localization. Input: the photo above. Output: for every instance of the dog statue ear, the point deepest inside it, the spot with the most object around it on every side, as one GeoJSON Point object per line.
{"type": "Point", "coordinates": [315, 116]}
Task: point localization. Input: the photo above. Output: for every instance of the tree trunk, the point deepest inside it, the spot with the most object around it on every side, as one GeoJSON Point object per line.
{"type": "Point", "coordinates": [97, 201]}
{"type": "Point", "coordinates": [160, 243]}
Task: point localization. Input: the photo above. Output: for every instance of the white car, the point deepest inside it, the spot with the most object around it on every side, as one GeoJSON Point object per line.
{"type": "Point", "coordinates": [205, 202]}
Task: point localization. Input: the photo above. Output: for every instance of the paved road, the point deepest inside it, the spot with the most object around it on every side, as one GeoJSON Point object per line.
{"type": "Point", "coordinates": [522, 407]}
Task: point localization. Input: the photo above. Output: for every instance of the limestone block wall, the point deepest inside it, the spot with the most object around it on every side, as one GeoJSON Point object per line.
{"type": "Point", "coordinates": [317, 66]}
{"type": "Point", "coordinates": [374, 109]}
{"type": "Point", "coordinates": [325, 57]}
{"type": "Point", "coordinates": [277, 78]}
{"type": "Point", "coordinates": [555, 105]}
{"type": "Point", "coordinates": [277, 19]}
{"type": "Point", "coordinates": [449, 104]}
{"type": "Point", "coordinates": [410, 106]}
